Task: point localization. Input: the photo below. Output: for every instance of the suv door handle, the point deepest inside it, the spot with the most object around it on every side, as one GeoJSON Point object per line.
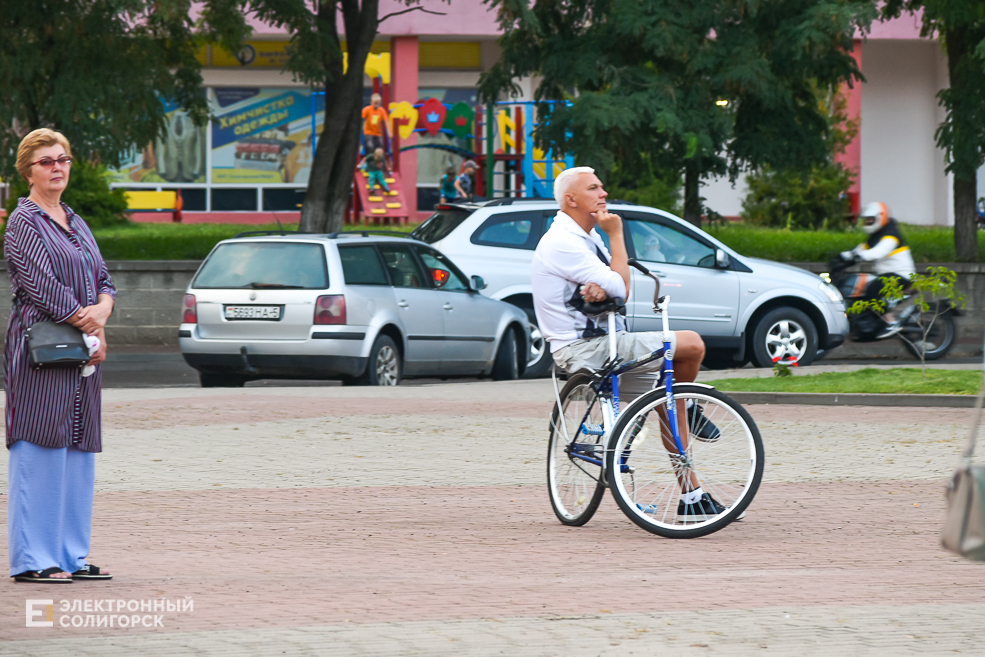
{"type": "Point", "coordinates": [402, 303]}
{"type": "Point", "coordinates": [447, 306]}
{"type": "Point", "coordinates": [658, 274]}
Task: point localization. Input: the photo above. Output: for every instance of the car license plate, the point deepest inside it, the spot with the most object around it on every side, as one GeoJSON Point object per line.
{"type": "Point", "coordinates": [252, 312]}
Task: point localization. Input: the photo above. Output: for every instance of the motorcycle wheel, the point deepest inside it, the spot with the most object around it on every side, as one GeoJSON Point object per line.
{"type": "Point", "coordinates": [939, 340]}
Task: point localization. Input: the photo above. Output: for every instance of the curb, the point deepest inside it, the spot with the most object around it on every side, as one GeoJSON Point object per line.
{"type": "Point", "coordinates": [858, 399]}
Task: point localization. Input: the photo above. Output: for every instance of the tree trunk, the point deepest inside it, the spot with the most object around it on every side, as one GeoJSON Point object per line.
{"type": "Point", "coordinates": [965, 219]}
{"type": "Point", "coordinates": [692, 202]}
{"type": "Point", "coordinates": [334, 166]}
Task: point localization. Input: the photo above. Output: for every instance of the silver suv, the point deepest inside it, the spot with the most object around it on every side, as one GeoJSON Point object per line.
{"type": "Point", "coordinates": [362, 308]}
{"type": "Point", "coordinates": [744, 308]}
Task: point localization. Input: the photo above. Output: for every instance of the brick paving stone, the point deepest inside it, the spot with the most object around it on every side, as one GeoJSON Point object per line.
{"type": "Point", "coordinates": [356, 521]}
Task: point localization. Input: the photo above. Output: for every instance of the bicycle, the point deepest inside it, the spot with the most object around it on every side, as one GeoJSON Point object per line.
{"type": "Point", "coordinates": [594, 446]}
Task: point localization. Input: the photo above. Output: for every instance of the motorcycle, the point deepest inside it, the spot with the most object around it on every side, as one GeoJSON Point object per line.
{"type": "Point", "coordinates": [867, 325]}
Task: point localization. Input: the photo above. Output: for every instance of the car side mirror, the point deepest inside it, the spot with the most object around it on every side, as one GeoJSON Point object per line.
{"type": "Point", "coordinates": [478, 284]}
{"type": "Point", "coordinates": [722, 261]}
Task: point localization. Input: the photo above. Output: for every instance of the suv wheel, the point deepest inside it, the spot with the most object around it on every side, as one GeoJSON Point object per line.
{"type": "Point", "coordinates": [383, 368]}
{"type": "Point", "coordinates": [221, 380]}
{"type": "Point", "coordinates": [784, 335]}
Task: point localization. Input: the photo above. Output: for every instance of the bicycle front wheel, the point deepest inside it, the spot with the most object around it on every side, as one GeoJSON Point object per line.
{"type": "Point", "coordinates": [575, 453]}
{"type": "Point", "coordinates": [722, 450]}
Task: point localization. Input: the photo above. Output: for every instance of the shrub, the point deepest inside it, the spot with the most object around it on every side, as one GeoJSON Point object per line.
{"type": "Point", "coordinates": [88, 193]}
{"type": "Point", "coordinates": [787, 199]}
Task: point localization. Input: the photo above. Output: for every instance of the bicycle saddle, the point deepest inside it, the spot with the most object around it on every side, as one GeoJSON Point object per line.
{"type": "Point", "coordinates": [614, 304]}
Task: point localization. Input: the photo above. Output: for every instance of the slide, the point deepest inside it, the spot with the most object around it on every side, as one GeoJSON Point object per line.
{"type": "Point", "coordinates": [376, 205]}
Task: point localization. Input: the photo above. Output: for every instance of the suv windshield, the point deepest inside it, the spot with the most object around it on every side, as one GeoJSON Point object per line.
{"type": "Point", "coordinates": [439, 224]}
{"type": "Point", "coordinates": [265, 265]}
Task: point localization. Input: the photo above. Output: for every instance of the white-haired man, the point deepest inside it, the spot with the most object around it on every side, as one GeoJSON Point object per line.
{"type": "Point", "coordinates": [572, 258]}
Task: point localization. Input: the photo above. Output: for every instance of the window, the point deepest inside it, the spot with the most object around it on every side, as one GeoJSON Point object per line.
{"type": "Point", "coordinates": [444, 275]}
{"type": "Point", "coordinates": [361, 266]}
{"type": "Point", "coordinates": [549, 221]}
{"type": "Point", "coordinates": [261, 265]}
{"type": "Point", "coordinates": [658, 242]}
{"type": "Point", "coordinates": [403, 268]}
{"type": "Point", "coordinates": [276, 199]}
{"type": "Point", "coordinates": [233, 200]}
{"type": "Point", "coordinates": [439, 225]}
{"type": "Point", "coordinates": [513, 230]}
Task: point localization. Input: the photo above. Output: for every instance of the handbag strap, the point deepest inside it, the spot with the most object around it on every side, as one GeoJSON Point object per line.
{"type": "Point", "coordinates": [969, 447]}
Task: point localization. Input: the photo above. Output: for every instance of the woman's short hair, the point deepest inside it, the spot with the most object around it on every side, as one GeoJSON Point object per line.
{"type": "Point", "coordinates": [564, 181]}
{"type": "Point", "coordinates": [33, 141]}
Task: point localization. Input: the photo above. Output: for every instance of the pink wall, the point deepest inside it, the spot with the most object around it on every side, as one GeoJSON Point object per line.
{"type": "Point", "coordinates": [852, 157]}
{"type": "Point", "coordinates": [403, 86]}
{"type": "Point", "coordinates": [907, 26]}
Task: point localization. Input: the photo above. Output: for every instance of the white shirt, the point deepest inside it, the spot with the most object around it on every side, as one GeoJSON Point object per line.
{"type": "Point", "coordinates": [565, 260]}
{"type": "Point", "coordinates": [889, 257]}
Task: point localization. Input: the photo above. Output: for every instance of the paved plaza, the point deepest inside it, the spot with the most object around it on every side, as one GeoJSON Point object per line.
{"type": "Point", "coordinates": [415, 521]}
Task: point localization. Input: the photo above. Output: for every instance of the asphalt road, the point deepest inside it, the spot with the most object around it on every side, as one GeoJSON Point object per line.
{"type": "Point", "coordinates": [130, 368]}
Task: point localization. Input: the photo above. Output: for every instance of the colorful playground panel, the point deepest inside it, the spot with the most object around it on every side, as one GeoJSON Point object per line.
{"type": "Point", "coordinates": [377, 203]}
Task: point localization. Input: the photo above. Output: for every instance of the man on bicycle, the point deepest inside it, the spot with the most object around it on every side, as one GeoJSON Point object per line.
{"type": "Point", "coordinates": [571, 259]}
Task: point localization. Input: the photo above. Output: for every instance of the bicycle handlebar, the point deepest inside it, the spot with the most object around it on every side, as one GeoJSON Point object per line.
{"type": "Point", "coordinates": [633, 262]}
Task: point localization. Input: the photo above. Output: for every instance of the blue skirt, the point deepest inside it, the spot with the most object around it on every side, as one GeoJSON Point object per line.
{"type": "Point", "coordinates": [49, 507]}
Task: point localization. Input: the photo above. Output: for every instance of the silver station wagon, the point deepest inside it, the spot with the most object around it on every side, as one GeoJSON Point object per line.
{"type": "Point", "coordinates": [361, 308]}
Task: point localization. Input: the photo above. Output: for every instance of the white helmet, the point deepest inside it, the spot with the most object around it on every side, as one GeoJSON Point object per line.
{"type": "Point", "coordinates": [874, 216]}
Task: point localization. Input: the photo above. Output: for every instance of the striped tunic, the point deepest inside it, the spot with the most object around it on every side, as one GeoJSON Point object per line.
{"type": "Point", "coordinates": [53, 274]}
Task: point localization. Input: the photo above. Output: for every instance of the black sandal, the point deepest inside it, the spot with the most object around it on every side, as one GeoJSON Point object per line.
{"type": "Point", "coordinates": [89, 571]}
{"type": "Point", "coordinates": [43, 576]}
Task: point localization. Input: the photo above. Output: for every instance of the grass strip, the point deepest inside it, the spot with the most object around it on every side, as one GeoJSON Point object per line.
{"type": "Point", "coordinates": [896, 380]}
{"type": "Point", "coordinates": [138, 241]}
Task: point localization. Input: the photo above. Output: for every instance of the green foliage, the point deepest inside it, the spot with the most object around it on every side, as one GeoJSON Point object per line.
{"type": "Point", "coordinates": [788, 199]}
{"type": "Point", "coordinates": [88, 193]}
{"type": "Point", "coordinates": [97, 70]}
{"type": "Point", "coordinates": [657, 189]}
{"type": "Point", "coordinates": [896, 380]}
{"type": "Point", "coordinates": [927, 243]}
{"type": "Point", "coordinates": [781, 369]}
{"type": "Point", "coordinates": [649, 75]}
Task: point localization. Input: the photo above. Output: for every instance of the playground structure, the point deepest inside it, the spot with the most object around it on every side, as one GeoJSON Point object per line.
{"type": "Point", "coordinates": [499, 138]}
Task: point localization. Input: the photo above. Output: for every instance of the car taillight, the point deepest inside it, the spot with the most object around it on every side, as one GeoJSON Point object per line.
{"type": "Point", "coordinates": [330, 309]}
{"type": "Point", "coordinates": [189, 313]}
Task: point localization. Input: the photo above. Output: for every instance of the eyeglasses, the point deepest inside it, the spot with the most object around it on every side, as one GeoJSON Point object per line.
{"type": "Point", "coordinates": [47, 162]}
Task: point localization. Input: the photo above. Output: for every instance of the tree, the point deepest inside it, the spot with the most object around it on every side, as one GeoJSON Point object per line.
{"type": "Point", "coordinates": [97, 70]}
{"type": "Point", "coordinates": [315, 57]}
{"type": "Point", "coordinates": [703, 87]}
{"type": "Point", "coordinates": [961, 29]}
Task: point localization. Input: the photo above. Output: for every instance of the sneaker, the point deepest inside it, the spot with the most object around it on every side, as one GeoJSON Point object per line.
{"type": "Point", "coordinates": [702, 428]}
{"type": "Point", "coordinates": [891, 329]}
{"type": "Point", "coordinates": [704, 509]}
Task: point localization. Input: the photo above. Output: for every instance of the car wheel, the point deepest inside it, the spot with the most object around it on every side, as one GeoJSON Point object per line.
{"type": "Point", "coordinates": [784, 335]}
{"type": "Point", "coordinates": [506, 367]}
{"type": "Point", "coordinates": [383, 368]}
{"type": "Point", "coordinates": [221, 380]}
{"type": "Point", "coordinates": [539, 361]}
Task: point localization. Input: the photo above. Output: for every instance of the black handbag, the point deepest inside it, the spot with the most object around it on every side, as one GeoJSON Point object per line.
{"type": "Point", "coordinates": [50, 344]}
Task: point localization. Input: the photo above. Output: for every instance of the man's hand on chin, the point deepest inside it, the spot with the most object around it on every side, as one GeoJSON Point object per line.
{"type": "Point", "coordinates": [593, 293]}
{"type": "Point", "coordinates": [608, 222]}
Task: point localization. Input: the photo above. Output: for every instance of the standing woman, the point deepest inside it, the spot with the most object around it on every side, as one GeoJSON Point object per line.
{"type": "Point", "coordinates": [53, 414]}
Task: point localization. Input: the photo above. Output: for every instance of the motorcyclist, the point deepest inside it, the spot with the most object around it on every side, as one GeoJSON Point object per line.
{"type": "Point", "coordinates": [889, 254]}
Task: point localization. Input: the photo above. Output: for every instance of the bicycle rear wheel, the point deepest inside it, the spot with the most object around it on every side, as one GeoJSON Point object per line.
{"type": "Point", "coordinates": [574, 461]}
{"type": "Point", "coordinates": [723, 448]}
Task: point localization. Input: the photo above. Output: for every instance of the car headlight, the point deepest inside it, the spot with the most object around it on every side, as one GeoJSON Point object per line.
{"type": "Point", "coordinates": [833, 293]}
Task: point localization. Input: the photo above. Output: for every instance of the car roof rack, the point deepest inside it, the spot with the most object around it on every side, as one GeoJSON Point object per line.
{"type": "Point", "coordinates": [524, 199]}
{"type": "Point", "coordinates": [367, 233]}
{"type": "Point", "coordinates": [252, 233]}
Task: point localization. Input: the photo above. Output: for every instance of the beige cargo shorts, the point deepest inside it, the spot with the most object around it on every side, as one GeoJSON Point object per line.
{"type": "Point", "coordinates": [592, 353]}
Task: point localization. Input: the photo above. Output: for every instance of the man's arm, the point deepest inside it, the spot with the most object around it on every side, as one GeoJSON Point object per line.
{"type": "Point", "coordinates": [612, 225]}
